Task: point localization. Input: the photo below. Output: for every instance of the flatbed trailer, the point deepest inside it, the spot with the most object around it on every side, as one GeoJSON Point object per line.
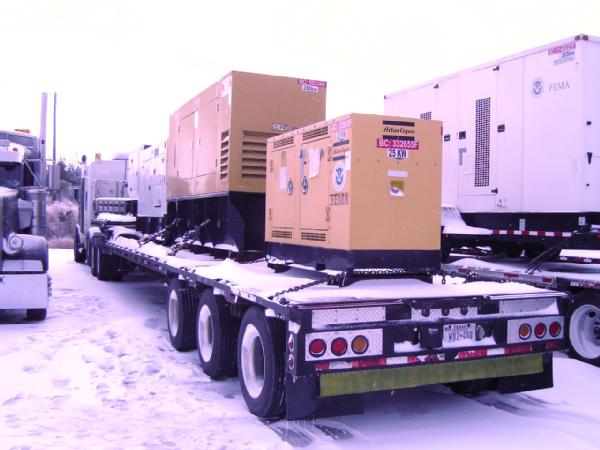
{"type": "Point", "coordinates": [300, 343]}
{"type": "Point", "coordinates": [574, 272]}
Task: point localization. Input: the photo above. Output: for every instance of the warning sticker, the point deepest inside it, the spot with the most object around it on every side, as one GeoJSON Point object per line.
{"type": "Point", "coordinates": [314, 83]}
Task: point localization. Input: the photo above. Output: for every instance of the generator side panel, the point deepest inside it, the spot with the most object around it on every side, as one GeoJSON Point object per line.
{"type": "Point", "coordinates": [553, 158]}
{"type": "Point", "coordinates": [152, 194]}
{"type": "Point", "coordinates": [263, 107]}
{"type": "Point", "coordinates": [133, 173]}
{"type": "Point", "coordinates": [194, 144]}
{"type": "Point", "coordinates": [393, 184]}
{"type": "Point", "coordinates": [590, 68]}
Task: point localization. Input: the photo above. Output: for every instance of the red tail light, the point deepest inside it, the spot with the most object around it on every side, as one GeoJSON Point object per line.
{"type": "Point", "coordinates": [554, 329]}
{"type": "Point", "coordinates": [540, 330]}
{"type": "Point", "coordinates": [317, 348]}
{"type": "Point", "coordinates": [339, 346]}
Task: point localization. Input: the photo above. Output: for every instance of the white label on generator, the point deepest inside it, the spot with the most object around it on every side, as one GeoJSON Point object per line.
{"type": "Point", "coordinates": [348, 160]}
{"type": "Point", "coordinates": [314, 162]}
{"type": "Point", "coordinates": [283, 177]}
{"type": "Point", "coordinates": [309, 88]}
{"type": "Point", "coordinates": [398, 173]}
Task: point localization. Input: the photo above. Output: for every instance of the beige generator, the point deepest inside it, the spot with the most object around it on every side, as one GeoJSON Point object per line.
{"type": "Point", "coordinates": [359, 191]}
{"type": "Point", "coordinates": [216, 154]}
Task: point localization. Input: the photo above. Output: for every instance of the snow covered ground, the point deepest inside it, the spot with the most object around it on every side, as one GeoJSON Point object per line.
{"type": "Point", "coordinates": [99, 372]}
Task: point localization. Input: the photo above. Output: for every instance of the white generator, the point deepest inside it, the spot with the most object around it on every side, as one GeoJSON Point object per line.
{"type": "Point", "coordinates": [148, 180]}
{"type": "Point", "coordinates": [521, 139]}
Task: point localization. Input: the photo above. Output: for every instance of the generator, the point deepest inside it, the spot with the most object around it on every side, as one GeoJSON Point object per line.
{"type": "Point", "coordinates": [358, 191]}
{"type": "Point", "coordinates": [216, 153]}
{"type": "Point", "coordinates": [521, 138]}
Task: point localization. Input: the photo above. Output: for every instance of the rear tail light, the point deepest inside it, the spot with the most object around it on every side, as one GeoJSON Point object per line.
{"type": "Point", "coordinates": [339, 346]}
{"type": "Point", "coordinates": [317, 347]}
{"type": "Point", "coordinates": [290, 342]}
{"type": "Point", "coordinates": [360, 344]}
{"type": "Point", "coordinates": [554, 329]}
{"type": "Point", "coordinates": [540, 330]}
{"type": "Point", "coordinates": [524, 331]}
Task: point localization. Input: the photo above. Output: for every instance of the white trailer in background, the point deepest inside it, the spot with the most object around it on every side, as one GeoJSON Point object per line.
{"type": "Point", "coordinates": [521, 144]}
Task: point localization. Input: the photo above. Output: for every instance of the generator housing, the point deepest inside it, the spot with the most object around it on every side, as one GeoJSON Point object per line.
{"type": "Point", "coordinates": [358, 191]}
{"type": "Point", "coordinates": [216, 153]}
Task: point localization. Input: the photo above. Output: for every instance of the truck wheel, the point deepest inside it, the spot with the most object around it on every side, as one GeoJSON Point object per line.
{"type": "Point", "coordinates": [101, 269]}
{"type": "Point", "coordinates": [92, 260]}
{"type": "Point", "coordinates": [78, 250]}
{"type": "Point", "coordinates": [260, 357]}
{"type": "Point", "coordinates": [181, 317]}
{"type": "Point", "coordinates": [216, 332]}
{"type": "Point", "coordinates": [36, 314]}
{"type": "Point", "coordinates": [584, 328]}
{"type": "Point", "coordinates": [470, 388]}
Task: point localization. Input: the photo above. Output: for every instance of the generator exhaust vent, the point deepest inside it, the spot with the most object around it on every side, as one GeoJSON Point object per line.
{"type": "Point", "coordinates": [310, 236]}
{"type": "Point", "coordinates": [482, 142]}
{"type": "Point", "coordinates": [281, 234]}
{"type": "Point", "coordinates": [283, 142]}
{"type": "Point", "coordinates": [254, 154]}
{"type": "Point", "coordinates": [224, 165]}
{"type": "Point", "coordinates": [314, 134]}
{"type": "Point", "coordinates": [425, 115]}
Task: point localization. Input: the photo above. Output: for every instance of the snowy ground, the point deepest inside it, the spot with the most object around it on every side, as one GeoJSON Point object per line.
{"type": "Point", "coordinates": [100, 373]}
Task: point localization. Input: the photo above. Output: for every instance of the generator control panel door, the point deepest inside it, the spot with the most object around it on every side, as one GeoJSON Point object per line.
{"type": "Point", "coordinates": [184, 151]}
{"type": "Point", "coordinates": [313, 178]}
{"type": "Point", "coordinates": [282, 203]}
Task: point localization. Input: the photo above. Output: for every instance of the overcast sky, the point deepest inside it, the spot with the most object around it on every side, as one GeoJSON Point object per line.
{"type": "Point", "coordinates": [120, 67]}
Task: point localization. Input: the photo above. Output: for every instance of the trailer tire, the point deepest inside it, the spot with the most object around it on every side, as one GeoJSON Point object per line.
{"type": "Point", "coordinates": [78, 249]}
{"type": "Point", "coordinates": [584, 328]}
{"type": "Point", "coordinates": [260, 357]}
{"type": "Point", "coordinates": [36, 314]}
{"type": "Point", "coordinates": [181, 317]}
{"type": "Point", "coordinates": [471, 388]}
{"type": "Point", "coordinates": [216, 336]}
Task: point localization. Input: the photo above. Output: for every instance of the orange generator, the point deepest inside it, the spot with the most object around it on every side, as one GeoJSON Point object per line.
{"type": "Point", "coordinates": [216, 153]}
{"type": "Point", "coordinates": [356, 192]}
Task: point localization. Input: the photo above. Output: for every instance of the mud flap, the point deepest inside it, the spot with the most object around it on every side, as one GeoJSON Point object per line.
{"type": "Point", "coordinates": [519, 383]}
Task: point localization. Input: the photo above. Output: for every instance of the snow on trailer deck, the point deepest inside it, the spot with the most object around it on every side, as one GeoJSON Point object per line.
{"type": "Point", "coordinates": [100, 373]}
{"type": "Point", "coordinates": [258, 281]}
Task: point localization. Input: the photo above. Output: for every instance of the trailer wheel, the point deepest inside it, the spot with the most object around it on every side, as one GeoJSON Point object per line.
{"type": "Point", "coordinates": [181, 317]}
{"type": "Point", "coordinates": [584, 328]}
{"type": "Point", "coordinates": [36, 314]}
{"type": "Point", "coordinates": [78, 250]}
{"type": "Point", "coordinates": [260, 357]}
{"type": "Point", "coordinates": [216, 332]}
{"type": "Point", "coordinates": [470, 388]}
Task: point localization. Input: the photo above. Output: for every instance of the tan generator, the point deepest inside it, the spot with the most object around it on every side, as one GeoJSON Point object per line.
{"type": "Point", "coordinates": [216, 153]}
{"type": "Point", "coordinates": [359, 191]}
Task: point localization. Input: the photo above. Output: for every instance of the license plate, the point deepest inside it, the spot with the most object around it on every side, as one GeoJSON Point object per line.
{"type": "Point", "coordinates": [459, 332]}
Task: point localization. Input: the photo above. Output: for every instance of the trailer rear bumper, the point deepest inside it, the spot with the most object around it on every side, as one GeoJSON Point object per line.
{"type": "Point", "coordinates": [24, 291]}
{"type": "Point", "coordinates": [358, 382]}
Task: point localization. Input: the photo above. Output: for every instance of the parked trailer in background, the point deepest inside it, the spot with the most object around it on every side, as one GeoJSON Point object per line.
{"type": "Point", "coordinates": [297, 341]}
{"type": "Point", "coordinates": [520, 146]}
